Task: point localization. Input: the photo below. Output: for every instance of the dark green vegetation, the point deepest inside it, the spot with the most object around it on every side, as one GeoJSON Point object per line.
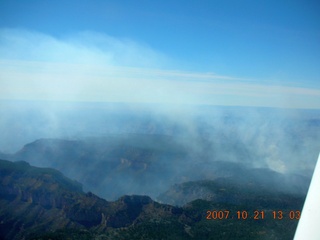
{"type": "Point", "coordinates": [40, 203]}
{"type": "Point", "coordinates": [253, 185]}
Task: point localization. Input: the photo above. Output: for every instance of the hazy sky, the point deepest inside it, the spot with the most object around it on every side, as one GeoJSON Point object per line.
{"type": "Point", "coordinates": [252, 53]}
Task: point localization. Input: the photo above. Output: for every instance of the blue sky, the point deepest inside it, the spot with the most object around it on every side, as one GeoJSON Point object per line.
{"type": "Point", "coordinates": [252, 53]}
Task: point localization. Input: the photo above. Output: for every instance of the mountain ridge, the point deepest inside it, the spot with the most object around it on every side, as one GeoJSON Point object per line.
{"type": "Point", "coordinates": [137, 164]}
{"type": "Point", "coordinates": [40, 203]}
{"type": "Point", "coordinates": [57, 205]}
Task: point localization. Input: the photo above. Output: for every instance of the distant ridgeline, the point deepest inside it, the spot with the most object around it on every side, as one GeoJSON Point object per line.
{"type": "Point", "coordinates": [41, 203]}
{"type": "Point", "coordinates": [127, 164]}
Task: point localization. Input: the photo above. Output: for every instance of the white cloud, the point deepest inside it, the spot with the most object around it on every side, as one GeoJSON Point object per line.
{"type": "Point", "coordinates": [85, 47]}
{"type": "Point", "coordinates": [95, 67]}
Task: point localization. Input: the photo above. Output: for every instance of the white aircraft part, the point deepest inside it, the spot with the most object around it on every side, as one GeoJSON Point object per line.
{"type": "Point", "coordinates": [309, 223]}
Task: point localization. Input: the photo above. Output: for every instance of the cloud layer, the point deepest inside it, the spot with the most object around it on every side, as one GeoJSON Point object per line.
{"type": "Point", "coordinates": [90, 66]}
